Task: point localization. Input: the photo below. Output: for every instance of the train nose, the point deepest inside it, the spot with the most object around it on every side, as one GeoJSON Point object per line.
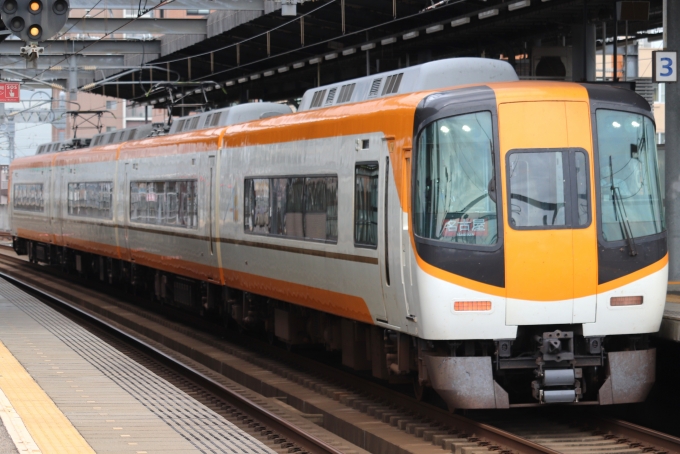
{"type": "Point", "coordinates": [550, 236]}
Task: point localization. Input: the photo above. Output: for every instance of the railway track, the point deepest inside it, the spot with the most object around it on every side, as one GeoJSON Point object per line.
{"type": "Point", "coordinates": [418, 422]}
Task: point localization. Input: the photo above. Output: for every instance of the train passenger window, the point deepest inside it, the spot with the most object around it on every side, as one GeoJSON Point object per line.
{"type": "Point", "coordinates": [321, 208]}
{"type": "Point", "coordinates": [28, 197]}
{"type": "Point", "coordinates": [630, 188]}
{"type": "Point", "coordinates": [172, 203]}
{"type": "Point", "coordinates": [256, 217]}
{"type": "Point", "coordinates": [295, 207]}
{"type": "Point", "coordinates": [454, 195]}
{"type": "Point", "coordinates": [366, 204]}
{"type": "Point", "coordinates": [288, 206]}
{"type": "Point", "coordinates": [91, 199]}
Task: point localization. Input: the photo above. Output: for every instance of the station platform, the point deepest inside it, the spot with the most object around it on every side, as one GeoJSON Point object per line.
{"type": "Point", "coordinates": [670, 325]}
{"type": "Point", "coordinates": [64, 390]}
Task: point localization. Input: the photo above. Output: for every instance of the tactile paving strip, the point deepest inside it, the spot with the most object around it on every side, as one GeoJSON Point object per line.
{"type": "Point", "coordinates": [116, 404]}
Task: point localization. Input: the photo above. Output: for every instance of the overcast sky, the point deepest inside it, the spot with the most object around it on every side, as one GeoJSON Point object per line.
{"type": "Point", "coordinates": [28, 136]}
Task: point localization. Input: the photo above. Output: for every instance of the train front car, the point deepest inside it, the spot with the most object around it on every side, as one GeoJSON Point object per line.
{"type": "Point", "coordinates": [539, 238]}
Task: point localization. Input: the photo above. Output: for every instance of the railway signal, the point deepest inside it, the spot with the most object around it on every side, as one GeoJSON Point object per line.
{"type": "Point", "coordinates": [34, 21]}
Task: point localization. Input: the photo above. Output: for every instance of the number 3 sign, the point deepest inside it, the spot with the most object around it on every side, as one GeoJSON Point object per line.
{"type": "Point", "coordinates": [664, 66]}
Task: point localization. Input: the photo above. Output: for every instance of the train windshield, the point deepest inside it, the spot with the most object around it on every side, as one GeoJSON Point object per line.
{"type": "Point", "coordinates": [454, 173]}
{"type": "Point", "coordinates": [631, 200]}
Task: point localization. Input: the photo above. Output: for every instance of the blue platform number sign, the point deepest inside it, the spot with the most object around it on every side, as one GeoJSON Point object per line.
{"type": "Point", "coordinates": [665, 66]}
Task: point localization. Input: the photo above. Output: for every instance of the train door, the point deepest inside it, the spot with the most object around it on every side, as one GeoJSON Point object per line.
{"type": "Point", "coordinates": [550, 237]}
{"type": "Point", "coordinates": [391, 254]}
{"type": "Point", "coordinates": [126, 211]}
{"type": "Point", "coordinates": [59, 196]}
{"type": "Point", "coordinates": [209, 257]}
{"type": "Point", "coordinates": [406, 253]}
{"type": "Point", "coordinates": [212, 231]}
{"type": "Point", "coordinates": [52, 206]}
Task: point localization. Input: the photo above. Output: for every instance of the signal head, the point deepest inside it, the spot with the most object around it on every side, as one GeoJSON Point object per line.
{"type": "Point", "coordinates": [35, 6]}
{"type": "Point", "coordinates": [9, 7]}
{"type": "Point", "coordinates": [16, 24]}
{"type": "Point", "coordinates": [34, 20]}
{"type": "Point", "coordinates": [34, 32]}
{"type": "Point", "coordinates": [60, 7]}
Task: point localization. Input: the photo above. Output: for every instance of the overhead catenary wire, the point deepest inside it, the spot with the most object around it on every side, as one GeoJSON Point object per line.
{"type": "Point", "coordinates": [81, 18]}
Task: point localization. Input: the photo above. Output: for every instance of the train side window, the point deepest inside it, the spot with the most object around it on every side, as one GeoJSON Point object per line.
{"type": "Point", "coordinates": [287, 203]}
{"type": "Point", "coordinates": [256, 219]}
{"type": "Point", "coordinates": [295, 207]}
{"type": "Point", "coordinates": [366, 204]}
{"type": "Point", "coordinates": [321, 208]}
{"type": "Point", "coordinates": [28, 197]}
{"type": "Point", "coordinates": [91, 199]}
{"type": "Point", "coordinates": [172, 203]}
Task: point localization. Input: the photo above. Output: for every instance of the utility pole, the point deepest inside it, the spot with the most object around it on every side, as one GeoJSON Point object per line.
{"type": "Point", "coordinates": [7, 126]}
{"type": "Point", "coordinates": [10, 137]}
{"type": "Point", "coordinates": [672, 157]}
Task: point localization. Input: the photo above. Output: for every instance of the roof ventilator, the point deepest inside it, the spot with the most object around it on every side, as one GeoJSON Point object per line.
{"type": "Point", "coordinates": [331, 96]}
{"type": "Point", "coordinates": [318, 98]}
{"type": "Point", "coordinates": [392, 84]}
{"type": "Point", "coordinates": [216, 119]}
{"type": "Point", "coordinates": [375, 86]}
{"type": "Point", "coordinates": [346, 93]}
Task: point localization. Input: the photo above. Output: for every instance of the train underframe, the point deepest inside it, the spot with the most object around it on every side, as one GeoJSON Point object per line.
{"type": "Point", "coordinates": [542, 365]}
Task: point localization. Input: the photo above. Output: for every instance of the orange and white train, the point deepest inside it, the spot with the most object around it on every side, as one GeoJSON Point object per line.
{"type": "Point", "coordinates": [499, 241]}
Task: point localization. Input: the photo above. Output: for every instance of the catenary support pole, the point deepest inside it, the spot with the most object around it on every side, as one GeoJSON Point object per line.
{"type": "Point", "coordinates": [672, 158]}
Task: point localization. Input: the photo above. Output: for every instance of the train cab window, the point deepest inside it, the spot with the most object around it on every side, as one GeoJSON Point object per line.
{"type": "Point", "coordinates": [454, 188]}
{"type": "Point", "coordinates": [28, 197]}
{"type": "Point", "coordinates": [172, 203]}
{"type": "Point", "coordinates": [366, 204]}
{"type": "Point", "coordinates": [91, 199]}
{"type": "Point", "coordinates": [538, 196]}
{"type": "Point", "coordinates": [582, 189]}
{"type": "Point", "coordinates": [548, 189]}
{"type": "Point", "coordinates": [630, 189]}
{"type": "Point", "coordinates": [301, 207]}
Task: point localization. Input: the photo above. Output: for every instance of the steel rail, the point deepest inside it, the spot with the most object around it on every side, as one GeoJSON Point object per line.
{"type": "Point", "coordinates": [471, 428]}
{"type": "Point", "coordinates": [504, 439]}
{"type": "Point", "coordinates": [640, 434]}
{"type": "Point", "coordinates": [272, 421]}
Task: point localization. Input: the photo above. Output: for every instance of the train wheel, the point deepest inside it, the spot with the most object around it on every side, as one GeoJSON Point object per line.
{"type": "Point", "coordinates": [420, 390]}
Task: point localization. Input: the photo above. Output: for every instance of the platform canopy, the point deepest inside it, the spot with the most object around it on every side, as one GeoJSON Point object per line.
{"type": "Point", "coordinates": [259, 53]}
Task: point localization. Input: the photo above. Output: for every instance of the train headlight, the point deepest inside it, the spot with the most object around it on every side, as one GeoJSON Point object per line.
{"type": "Point", "coordinates": [626, 301]}
{"type": "Point", "coordinates": [460, 306]}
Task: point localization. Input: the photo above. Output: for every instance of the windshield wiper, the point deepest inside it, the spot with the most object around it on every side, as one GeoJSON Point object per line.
{"type": "Point", "coordinates": [620, 213]}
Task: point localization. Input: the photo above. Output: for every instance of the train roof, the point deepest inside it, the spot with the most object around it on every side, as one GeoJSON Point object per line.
{"type": "Point", "coordinates": [215, 118]}
{"type": "Point", "coordinates": [229, 116]}
{"type": "Point", "coordinates": [63, 145]}
{"type": "Point", "coordinates": [427, 76]}
{"type": "Point", "coordinates": [123, 135]}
